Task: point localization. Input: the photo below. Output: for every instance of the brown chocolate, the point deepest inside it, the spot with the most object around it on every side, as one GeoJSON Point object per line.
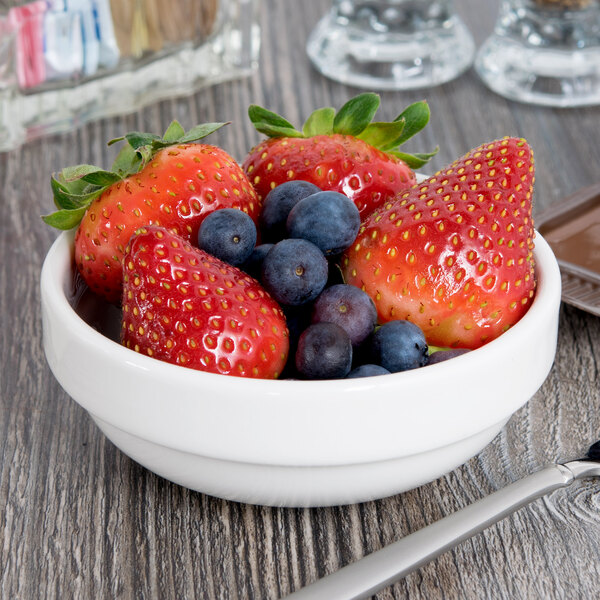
{"type": "Point", "coordinates": [572, 228]}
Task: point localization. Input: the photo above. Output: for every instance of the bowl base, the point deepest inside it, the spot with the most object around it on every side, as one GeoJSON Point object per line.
{"type": "Point", "coordinates": [297, 486]}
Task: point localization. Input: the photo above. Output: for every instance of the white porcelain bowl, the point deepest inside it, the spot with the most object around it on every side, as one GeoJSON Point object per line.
{"type": "Point", "coordinates": [297, 443]}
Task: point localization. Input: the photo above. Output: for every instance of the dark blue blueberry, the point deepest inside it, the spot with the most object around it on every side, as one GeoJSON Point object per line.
{"type": "Point", "coordinates": [398, 346]}
{"type": "Point", "coordinates": [228, 234]}
{"type": "Point", "coordinates": [294, 272]}
{"type": "Point", "coordinates": [329, 220]}
{"type": "Point", "coordinates": [367, 371]}
{"type": "Point", "coordinates": [253, 264]}
{"type": "Point", "coordinates": [349, 307]}
{"type": "Point", "coordinates": [442, 355]}
{"type": "Point", "coordinates": [277, 205]}
{"type": "Point", "coordinates": [324, 352]}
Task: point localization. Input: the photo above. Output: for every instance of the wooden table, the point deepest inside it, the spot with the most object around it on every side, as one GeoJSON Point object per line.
{"type": "Point", "coordinates": [80, 519]}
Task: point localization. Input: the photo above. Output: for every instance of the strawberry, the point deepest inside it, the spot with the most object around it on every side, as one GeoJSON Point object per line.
{"type": "Point", "coordinates": [454, 253]}
{"type": "Point", "coordinates": [184, 306]}
{"type": "Point", "coordinates": [168, 181]}
{"type": "Point", "coordinates": [344, 151]}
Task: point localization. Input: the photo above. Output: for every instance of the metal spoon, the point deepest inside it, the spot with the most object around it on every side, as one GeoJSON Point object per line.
{"type": "Point", "coordinates": [370, 574]}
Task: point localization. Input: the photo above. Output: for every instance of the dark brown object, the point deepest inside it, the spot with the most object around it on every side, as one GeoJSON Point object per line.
{"type": "Point", "coordinates": [572, 228]}
{"type": "Point", "coordinates": [564, 4]}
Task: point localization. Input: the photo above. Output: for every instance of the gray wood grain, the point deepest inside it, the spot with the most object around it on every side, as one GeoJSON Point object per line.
{"type": "Point", "coordinates": [78, 519]}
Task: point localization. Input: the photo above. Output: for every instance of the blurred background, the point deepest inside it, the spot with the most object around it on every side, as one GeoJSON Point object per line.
{"type": "Point", "coordinates": [79, 518]}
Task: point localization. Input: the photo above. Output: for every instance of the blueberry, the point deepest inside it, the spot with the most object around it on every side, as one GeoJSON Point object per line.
{"type": "Point", "coordinates": [350, 308]}
{"type": "Point", "coordinates": [398, 346]}
{"type": "Point", "coordinates": [294, 272]}
{"type": "Point", "coordinates": [324, 352]}
{"type": "Point", "coordinates": [367, 371]}
{"type": "Point", "coordinates": [329, 220]}
{"type": "Point", "coordinates": [253, 264]}
{"type": "Point", "coordinates": [277, 205]}
{"type": "Point", "coordinates": [442, 355]}
{"type": "Point", "coordinates": [229, 234]}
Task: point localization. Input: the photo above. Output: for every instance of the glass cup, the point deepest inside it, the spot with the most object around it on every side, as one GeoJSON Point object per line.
{"type": "Point", "coordinates": [544, 52]}
{"type": "Point", "coordinates": [66, 63]}
{"type": "Point", "coordinates": [391, 44]}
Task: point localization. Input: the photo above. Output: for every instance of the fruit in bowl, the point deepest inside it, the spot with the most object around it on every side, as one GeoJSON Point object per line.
{"type": "Point", "coordinates": [296, 442]}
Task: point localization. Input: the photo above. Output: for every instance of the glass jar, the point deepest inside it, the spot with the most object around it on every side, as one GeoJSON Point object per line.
{"type": "Point", "coordinates": [391, 44]}
{"type": "Point", "coordinates": [544, 52]}
{"type": "Point", "coordinates": [63, 64]}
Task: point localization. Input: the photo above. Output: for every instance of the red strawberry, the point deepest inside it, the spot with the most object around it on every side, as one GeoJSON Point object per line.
{"type": "Point", "coordinates": [169, 182]}
{"type": "Point", "coordinates": [340, 151]}
{"type": "Point", "coordinates": [454, 253]}
{"type": "Point", "coordinates": [184, 306]}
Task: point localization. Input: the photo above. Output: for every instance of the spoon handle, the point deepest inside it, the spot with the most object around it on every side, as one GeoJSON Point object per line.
{"type": "Point", "coordinates": [375, 571]}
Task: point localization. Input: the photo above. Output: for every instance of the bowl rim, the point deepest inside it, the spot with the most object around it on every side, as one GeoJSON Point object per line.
{"type": "Point", "coordinates": [268, 395]}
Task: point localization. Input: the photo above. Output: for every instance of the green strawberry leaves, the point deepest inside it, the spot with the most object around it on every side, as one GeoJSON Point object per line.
{"type": "Point", "coordinates": [270, 123]}
{"type": "Point", "coordinates": [127, 161]}
{"type": "Point", "coordinates": [319, 122]}
{"type": "Point", "coordinates": [65, 219]}
{"type": "Point", "coordinates": [383, 135]}
{"type": "Point", "coordinates": [356, 114]}
{"type": "Point", "coordinates": [174, 132]}
{"type": "Point", "coordinates": [101, 178]}
{"type": "Point", "coordinates": [415, 160]}
{"type": "Point", "coordinates": [146, 145]}
{"type": "Point", "coordinates": [75, 188]}
{"type": "Point", "coordinates": [415, 117]}
{"type": "Point", "coordinates": [354, 118]}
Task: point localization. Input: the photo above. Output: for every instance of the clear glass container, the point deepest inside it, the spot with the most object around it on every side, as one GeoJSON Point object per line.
{"type": "Point", "coordinates": [391, 44]}
{"type": "Point", "coordinates": [63, 64]}
{"type": "Point", "coordinates": [544, 52]}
